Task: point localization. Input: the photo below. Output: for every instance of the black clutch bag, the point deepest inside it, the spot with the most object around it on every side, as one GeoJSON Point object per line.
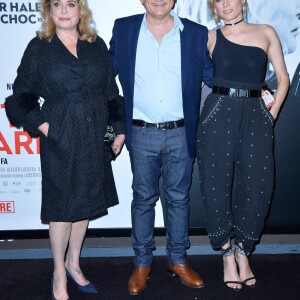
{"type": "Point", "coordinates": [110, 135]}
{"type": "Point", "coordinates": [109, 138]}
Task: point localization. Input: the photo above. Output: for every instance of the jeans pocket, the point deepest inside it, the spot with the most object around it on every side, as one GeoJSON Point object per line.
{"type": "Point", "coordinates": [137, 130]}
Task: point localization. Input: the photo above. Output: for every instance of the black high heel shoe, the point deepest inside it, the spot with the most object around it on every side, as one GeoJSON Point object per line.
{"type": "Point", "coordinates": [228, 252]}
{"type": "Point", "coordinates": [241, 251]}
{"type": "Point", "coordinates": [88, 288]}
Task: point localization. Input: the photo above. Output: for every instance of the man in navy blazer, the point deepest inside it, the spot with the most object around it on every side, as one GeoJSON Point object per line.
{"type": "Point", "coordinates": [162, 62]}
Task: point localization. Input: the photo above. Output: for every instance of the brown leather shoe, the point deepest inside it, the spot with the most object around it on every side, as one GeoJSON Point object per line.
{"type": "Point", "coordinates": [137, 280]}
{"type": "Point", "coordinates": [187, 276]}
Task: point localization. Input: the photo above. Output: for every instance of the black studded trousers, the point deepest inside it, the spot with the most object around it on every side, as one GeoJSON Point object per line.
{"type": "Point", "coordinates": [235, 158]}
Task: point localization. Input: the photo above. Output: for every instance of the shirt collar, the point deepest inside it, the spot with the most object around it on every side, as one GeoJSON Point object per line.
{"type": "Point", "coordinates": [177, 21]}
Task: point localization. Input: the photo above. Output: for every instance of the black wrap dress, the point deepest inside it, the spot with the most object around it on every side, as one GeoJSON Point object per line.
{"type": "Point", "coordinates": [81, 99]}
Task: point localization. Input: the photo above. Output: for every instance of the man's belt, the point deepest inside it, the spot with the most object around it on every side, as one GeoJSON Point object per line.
{"type": "Point", "coordinates": [159, 126]}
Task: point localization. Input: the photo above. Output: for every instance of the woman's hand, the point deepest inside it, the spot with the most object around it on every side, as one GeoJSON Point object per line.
{"type": "Point", "coordinates": [274, 112]}
{"type": "Point", "coordinates": [268, 98]}
{"type": "Point", "coordinates": [44, 128]}
{"type": "Point", "coordinates": [118, 143]}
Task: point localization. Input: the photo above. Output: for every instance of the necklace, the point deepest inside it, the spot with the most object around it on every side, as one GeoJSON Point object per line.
{"type": "Point", "coordinates": [233, 24]}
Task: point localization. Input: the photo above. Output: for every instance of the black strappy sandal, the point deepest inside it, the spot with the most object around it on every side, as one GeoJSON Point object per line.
{"type": "Point", "coordinates": [241, 251]}
{"type": "Point", "coordinates": [228, 252]}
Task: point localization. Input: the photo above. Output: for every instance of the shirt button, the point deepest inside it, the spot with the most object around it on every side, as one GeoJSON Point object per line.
{"type": "Point", "coordinates": [89, 119]}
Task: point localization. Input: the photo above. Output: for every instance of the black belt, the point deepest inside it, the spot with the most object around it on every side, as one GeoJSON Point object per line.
{"type": "Point", "coordinates": [236, 92]}
{"type": "Point", "coordinates": [159, 126]}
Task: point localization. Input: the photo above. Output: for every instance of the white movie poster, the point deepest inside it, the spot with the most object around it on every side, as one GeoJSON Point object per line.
{"type": "Point", "coordinates": [20, 175]}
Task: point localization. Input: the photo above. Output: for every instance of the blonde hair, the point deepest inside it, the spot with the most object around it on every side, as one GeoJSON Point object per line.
{"type": "Point", "coordinates": [213, 11]}
{"type": "Point", "coordinates": [85, 32]}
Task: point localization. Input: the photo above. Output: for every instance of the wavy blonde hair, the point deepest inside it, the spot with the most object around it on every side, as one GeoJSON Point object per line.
{"type": "Point", "coordinates": [213, 11]}
{"type": "Point", "coordinates": [85, 31]}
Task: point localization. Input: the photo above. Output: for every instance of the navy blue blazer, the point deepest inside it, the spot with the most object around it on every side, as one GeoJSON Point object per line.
{"type": "Point", "coordinates": [196, 67]}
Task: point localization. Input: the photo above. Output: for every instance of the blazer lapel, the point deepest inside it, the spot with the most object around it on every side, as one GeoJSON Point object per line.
{"type": "Point", "coordinates": [185, 45]}
{"type": "Point", "coordinates": [133, 40]}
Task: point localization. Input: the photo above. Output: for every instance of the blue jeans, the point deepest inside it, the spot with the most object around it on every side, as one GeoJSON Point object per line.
{"type": "Point", "coordinates": [155, 153]}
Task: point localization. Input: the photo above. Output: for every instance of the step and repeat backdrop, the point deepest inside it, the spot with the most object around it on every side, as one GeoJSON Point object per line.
{"type": "Point", "coordinates": [20, 176]}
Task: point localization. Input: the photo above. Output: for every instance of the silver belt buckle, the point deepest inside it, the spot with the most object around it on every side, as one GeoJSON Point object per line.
{"type": "Point", "coordinates": [162, 126]}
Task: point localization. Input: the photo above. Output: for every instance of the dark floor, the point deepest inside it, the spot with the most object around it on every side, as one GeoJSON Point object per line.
{"type": "Point", "coordinates": [278, 278]}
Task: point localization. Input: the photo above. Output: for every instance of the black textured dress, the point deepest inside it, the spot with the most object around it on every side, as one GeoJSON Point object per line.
{"type": "Point", "coordinates": [81, 99]}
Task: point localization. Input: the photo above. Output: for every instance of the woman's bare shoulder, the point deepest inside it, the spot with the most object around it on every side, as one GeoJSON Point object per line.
{"type": "Point", "coordinates": [263, 28]}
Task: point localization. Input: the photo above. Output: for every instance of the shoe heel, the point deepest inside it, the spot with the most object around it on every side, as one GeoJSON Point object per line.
{"type": "Point", "coordinates": [89, 288]}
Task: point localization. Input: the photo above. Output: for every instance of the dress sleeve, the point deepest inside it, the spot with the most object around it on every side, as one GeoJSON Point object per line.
{"type": "Point", "coordinates": [22, 107]}
{"type": "Point", "coordinates": [115, 102]}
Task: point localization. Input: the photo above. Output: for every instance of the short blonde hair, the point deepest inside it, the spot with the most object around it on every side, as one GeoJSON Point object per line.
{"type": "Point", "coordinates": [213, 11]}
{"type": "Point", "coordinates": [85, 31]}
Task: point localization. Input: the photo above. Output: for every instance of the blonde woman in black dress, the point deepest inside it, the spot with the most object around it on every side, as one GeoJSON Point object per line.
{"type": "Point", "coordinates": [69, 66]}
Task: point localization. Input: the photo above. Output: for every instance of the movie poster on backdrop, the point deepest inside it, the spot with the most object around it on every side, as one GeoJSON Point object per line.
{"type": "Point", "coordinates": [20, 176]}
